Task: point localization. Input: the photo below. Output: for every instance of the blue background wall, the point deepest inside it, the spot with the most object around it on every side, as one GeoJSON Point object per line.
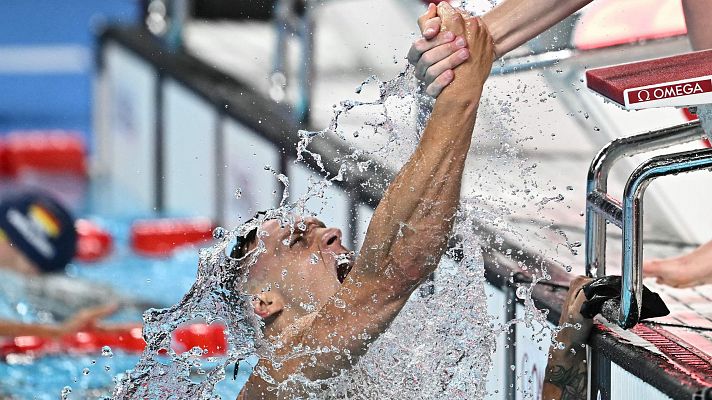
{"type": "Point", "coordinates": [46, 60]}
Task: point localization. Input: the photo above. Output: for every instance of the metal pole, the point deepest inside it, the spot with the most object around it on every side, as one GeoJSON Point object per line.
{"type": "Point", "coordinates": [597, 181]}
{"type": "Point", "coordinates": [632, 273]}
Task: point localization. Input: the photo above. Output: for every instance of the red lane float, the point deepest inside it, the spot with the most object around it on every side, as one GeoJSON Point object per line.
{"type": "Point", "coordinates": [46, 151]}
{"type": "Point", "coordinates": [93, 242]}
{"type": "Point", "coordinates": [160, 237]}
{"type": "Point", "coordinates": [4, 160]}
{"type": "Point", "coordinates": [210, 338]}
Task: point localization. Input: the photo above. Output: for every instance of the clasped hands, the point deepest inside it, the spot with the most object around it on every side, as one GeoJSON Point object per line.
{"type": "Point", "coordinates": [453, 44]}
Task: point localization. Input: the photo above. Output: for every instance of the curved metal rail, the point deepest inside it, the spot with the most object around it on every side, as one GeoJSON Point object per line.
{"type": "Point", "coordinates": [628, 214]}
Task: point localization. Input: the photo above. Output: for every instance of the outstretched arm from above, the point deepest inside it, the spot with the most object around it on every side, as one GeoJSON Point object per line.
{"type": "Point", "coordinates": [511, 23]}
{"type": "Point", "coordinates": [409, 229]}
{"type": "Point", "coordinates": [514, 22]}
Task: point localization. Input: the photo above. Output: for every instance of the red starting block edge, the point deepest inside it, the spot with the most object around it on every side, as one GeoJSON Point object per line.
{"type": "Point", "coordinates": [675, 81]}
{"type": "Point", "coordinates": [209, 338]}
{"type": "Point", "coordinates": [160, 237]}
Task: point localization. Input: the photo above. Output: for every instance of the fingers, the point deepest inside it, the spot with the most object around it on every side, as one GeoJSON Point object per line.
{"type": "Point", "coordinates": [441, 74]}
{"type": "Point", "coordinates": [439, 59]}
{"type": "Point", "coordinates": [422, 45]}
{"type": "Point", "coordinates": [424, 22]}
{"type": "Point", "coordinates": [452, 20]}
{"type": "Point", "coordinates": [431, 28]}
{"type": "Point", "coordinates": [444, 79]}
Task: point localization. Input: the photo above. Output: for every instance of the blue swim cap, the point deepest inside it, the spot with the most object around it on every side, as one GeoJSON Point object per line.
{"type": "Point", "coordinates": [41, 228]}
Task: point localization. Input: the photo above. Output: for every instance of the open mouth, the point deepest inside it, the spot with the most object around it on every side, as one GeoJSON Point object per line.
{"type": "Point", "coordinates": [344, 263]}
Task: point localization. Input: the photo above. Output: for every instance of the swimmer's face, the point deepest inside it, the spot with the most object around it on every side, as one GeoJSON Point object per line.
{"type": "Point", "coordinates": [304, 263]}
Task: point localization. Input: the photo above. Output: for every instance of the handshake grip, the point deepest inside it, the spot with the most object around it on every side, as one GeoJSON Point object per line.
{"type": "Point", "coordinates": [475, 70]}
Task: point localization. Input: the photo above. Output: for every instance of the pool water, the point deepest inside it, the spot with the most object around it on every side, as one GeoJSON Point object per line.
{"type": "Point", "coordinates": [123, 277]}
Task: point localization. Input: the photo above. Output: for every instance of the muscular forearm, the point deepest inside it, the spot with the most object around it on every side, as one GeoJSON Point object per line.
{"type": "Point", "coordinates": [514, 22]}
{"type": "Point", "coordinates": [411, 224]}
{"type": "Point", "coordinates": [416, 213]}
{"type": "Point", "coordinates": [698, 14]}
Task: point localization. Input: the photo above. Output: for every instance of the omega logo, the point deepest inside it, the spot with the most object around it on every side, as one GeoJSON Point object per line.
{"type": "Point", "coordinates": [668, 91]}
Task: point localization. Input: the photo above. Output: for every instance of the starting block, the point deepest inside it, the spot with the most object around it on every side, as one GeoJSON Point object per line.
{"type": "Point", "coordinates": [679, 81]}
{"type": "Point", "coordinates": [675, 81]}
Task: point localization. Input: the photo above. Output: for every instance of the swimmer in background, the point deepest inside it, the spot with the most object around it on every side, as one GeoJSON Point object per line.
{"type": "Point", "coordinates": [37, 236]}
{"type": "Point", "coordinates": [347, 305]}
{"type": "Point", "coordinates": [511, 24]}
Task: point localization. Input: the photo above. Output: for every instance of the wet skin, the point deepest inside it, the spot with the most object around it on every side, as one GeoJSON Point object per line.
{"type": "Point", "coordinates": [406, 238]}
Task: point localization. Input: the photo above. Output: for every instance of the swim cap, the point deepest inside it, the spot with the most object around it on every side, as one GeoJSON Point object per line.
{"type": "Point", "coordinates": [41, 228]}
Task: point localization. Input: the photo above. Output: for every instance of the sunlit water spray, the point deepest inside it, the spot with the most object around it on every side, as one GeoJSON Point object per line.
{"type": "Point", "coordinates": [441, 343]}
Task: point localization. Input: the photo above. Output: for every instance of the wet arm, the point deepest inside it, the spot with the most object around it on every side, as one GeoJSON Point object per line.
{"type": "Point", "coordinates": [14, 328]}
{"type": "Point", "coordinates": [514, 22]}
{"type": "Point", "coordinates": [409, 229]}
{"type": "Point", "coordinates": [566, 375]}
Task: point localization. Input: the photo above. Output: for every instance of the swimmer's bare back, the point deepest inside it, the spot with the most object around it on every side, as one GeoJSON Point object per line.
{"type": "Point", "coordinates": [406, 238]}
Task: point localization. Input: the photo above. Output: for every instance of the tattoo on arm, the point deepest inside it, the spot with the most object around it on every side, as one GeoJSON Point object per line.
{"type": "Point", "coordinates": [572, 381]}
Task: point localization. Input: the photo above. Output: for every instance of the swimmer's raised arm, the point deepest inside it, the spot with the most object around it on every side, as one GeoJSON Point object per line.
{"type": "Point", "coordinates": [514, 22]}
{"type": "Point", "coordinates": [410, 227]}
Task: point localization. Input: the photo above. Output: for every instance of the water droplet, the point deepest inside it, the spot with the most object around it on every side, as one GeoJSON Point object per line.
{"type": "Point", "coordinates": [339, 303]}
{"type": "Point", "coordinates": [107, 368]}
{"type": "Point", "coordinates": [85, 371]}
{"type": "Point", "coordinates": [106, 351]}
{"type": "Point", "coordinates": [314, 259]}
{"type": "Point", "coordinates": [218, 233]}
{"type": "Point", "coordinates": [522, 292]}
{"type": "Point", "coordinates": [238, 193]}
{"type": "Point", "coordinates": [596, 128]}
{"type": "Point", "coordinates": [65, 392]}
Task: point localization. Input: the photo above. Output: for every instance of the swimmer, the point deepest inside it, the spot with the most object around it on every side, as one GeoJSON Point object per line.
{"type": "Point", "coordinates": [309, 292]}
{"type": "Point", "coordinates": [511, 24]}
{"type": "Point", "coordinates": [37, 237]}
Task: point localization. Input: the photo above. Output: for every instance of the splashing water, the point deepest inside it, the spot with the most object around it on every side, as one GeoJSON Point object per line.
{"type": "Point", "coordinates": [425, 353]}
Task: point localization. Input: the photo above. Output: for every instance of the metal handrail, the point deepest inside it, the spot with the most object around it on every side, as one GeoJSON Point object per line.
{"type": "Point", "coordinates": [597, 180]}
{"type": "Point", "coordinates": [628, 214]}
{"type": "Point", "coordinates": [632, 274]}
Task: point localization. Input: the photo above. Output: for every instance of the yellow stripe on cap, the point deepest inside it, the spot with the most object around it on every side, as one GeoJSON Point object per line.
{"type": "Point", "coordinates": [3, 236]}
{"type": "Point", "coordinates": [45, 219]}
